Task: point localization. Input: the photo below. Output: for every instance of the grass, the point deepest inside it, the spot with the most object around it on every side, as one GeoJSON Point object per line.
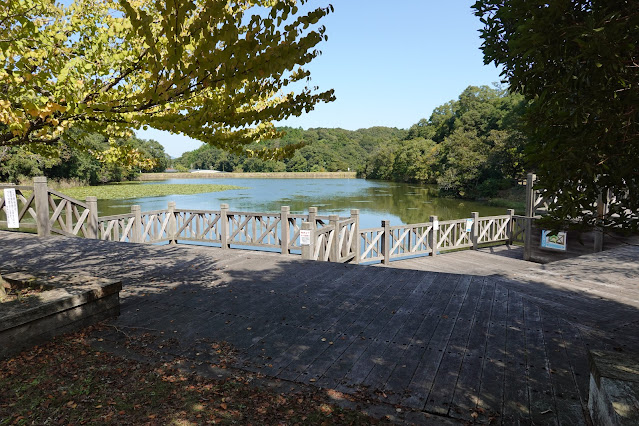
{"type": "Point", "coordinates": [124, 190]}
{"type": "Point", "coordinates": [69, 382]}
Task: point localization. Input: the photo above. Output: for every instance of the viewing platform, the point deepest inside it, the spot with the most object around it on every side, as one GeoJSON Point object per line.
{"type": "Point", "coordinates": [448, 346]}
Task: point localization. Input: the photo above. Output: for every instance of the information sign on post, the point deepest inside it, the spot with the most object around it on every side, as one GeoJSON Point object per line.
{"type": "Point", "coordinates": [305, 237]}
{"type": "Point", "coordinates": [469, 225]}
{"type": "Point", "coordinates": [555, 242]}
{"type": "Point", "coordinates": [11, 208]}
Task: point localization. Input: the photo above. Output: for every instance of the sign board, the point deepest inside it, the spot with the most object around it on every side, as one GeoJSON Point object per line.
{"type": "Point", "coordinates": [435, 225]}
{"type": "Point", "coordinates": [11, 208]}
{"type": "Point", "coordinates": [554, 242]}
{"type": "Point", "coordinates": [305, 237]}
{"type": "Point", "coordinates": [469, 225]}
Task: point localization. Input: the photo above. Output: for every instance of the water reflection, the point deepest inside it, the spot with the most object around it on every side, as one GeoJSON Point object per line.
{"type": "Point", "coordinates": [400, 203]}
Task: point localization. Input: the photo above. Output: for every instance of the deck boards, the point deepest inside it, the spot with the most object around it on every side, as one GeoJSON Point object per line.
{"type": "Point", "coordinates": [509, 347]}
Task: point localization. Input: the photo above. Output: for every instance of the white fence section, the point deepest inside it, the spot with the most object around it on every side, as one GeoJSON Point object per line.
{"type": "Point", "coordinates": [327, 238]}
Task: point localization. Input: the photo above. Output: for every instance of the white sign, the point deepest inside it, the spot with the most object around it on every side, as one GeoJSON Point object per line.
{"type": "Point", "coordinates": [11, 208]}
{"type": "Point", "coordinates": [435, 225]}
{"type": "Point", "coordinates": [469, 225]}
{"type": "Point", "coordinates": [305, 237]}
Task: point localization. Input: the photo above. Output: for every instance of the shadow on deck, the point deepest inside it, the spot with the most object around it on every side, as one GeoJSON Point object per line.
{"type": "Point", "coordinates": [465, 347]}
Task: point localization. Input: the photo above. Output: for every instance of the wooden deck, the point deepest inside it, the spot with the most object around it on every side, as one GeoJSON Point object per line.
{"type": "Point", "coordinates": [506, 348]}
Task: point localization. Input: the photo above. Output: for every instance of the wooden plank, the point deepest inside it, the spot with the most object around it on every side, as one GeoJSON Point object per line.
{"type": "Point", "coordinates": [543, 409]}
{"type": "Point", "coordinates": [404, 345]}
{"type": "Point", "coordinates": [578, 359]}
{"type": "Point", "coordinates": [351, 325]}
{"type": "Point", "coordinates": [371, 323]}
{"type": "Point", "coordinates": [370, 357]}
{"type": "Point", "coordinates": [300, 351]}
{"type": "Point", "coordinates": [330, 322]}
{"type": "Point", "coordinates": [516, 398]}
{"type": "Point", "coordinates": [566, 393]}
{"type": "Point", "coordinates": [444, 379]}
{"type": "Point", "coordinates": [444, 352]}
{"type": "Point", "coordinates": [251, 328]}
{"type": "Point", "coordinates": [491, 388]}
{"type": "Point", "coordinates": [436, 324]}
{"type": "Point", "coordinates": [466, 394]}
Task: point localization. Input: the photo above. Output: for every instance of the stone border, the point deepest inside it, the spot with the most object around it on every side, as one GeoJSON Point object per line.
{"type": "Point", "coordinates": [67, 303]}
{"type": "Point", "coordinates": [614, 388]}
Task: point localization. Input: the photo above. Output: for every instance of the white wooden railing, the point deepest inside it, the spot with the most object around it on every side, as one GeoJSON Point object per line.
{"type": "Point", "coordinates": [388, 243]}
{"type": "Point", "coordinates": [324, 238]}
{"type": "Point", "coordinates": [26, 214]}
{"type": "Point", "coordinates": [51, 212]}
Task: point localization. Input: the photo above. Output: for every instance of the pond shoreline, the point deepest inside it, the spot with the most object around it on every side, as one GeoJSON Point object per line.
{"type": "Point", "coordinates": [145, 177]}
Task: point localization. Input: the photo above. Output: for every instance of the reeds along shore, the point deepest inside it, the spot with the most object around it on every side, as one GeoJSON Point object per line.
{"type": "Point", "coordinates": [272, 175]}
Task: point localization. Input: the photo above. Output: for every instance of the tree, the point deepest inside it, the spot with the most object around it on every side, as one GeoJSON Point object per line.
{"type": "Point", "coordinates": [215, 70]}
{"type": "Point", "coordinates": [578, 64]}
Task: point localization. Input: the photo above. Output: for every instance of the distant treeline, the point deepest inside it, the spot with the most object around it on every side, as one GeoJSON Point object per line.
{"type": "Point", "coordinates": [470, 147]}
{"type": "Point", "coordinates": [88, 158]}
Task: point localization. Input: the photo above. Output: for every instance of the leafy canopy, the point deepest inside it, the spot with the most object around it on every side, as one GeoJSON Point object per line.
{"type": "Point", "coordinates": [577, 61]}
{"type": "Point", "coordinates": [216, 70]}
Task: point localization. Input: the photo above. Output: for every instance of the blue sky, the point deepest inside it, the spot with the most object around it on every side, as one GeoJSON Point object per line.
{"type": "Point", "coordinates": [390, 63]}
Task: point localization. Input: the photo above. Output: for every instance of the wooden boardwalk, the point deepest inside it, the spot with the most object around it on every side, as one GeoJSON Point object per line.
{"type": "Point", "coordinates": [506, 348]}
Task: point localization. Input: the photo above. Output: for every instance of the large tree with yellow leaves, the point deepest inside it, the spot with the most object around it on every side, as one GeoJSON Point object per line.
{"type": "Point", "coordinates": [216, 70]}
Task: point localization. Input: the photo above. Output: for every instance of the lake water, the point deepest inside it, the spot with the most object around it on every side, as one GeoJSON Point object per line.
{"type": "Point", "coordinates": [377, 200]}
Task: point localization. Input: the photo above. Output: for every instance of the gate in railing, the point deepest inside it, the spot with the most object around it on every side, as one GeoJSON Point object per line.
{"type": "Point", "coordinates": [324, 238]}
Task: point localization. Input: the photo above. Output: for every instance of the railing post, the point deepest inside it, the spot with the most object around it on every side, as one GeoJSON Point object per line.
{"type": "Point", "coordinates": [224, 223]}
{"type": "Point", "coordinates": [358, 240]}
{"type": "Point", "coordinates": [530, 195]}
{"type": "Point", "coordinates": [510, 226]}
{"type": "Point", "coordinates": [528, 238]}
{"type": "Point", "coordinates": [69, 216]}
{"type": "Point", "coordinates": [41, 194]}
{"type": "Point", "coordinates": [432, 239]}
{"type": "Point", "coordinates": [284, 229]}
{"type": "Point", "coordinates": [312, 213]}
{"type": "Point", "coordinates": [308, 249]}
{"type": "Point", "coordinates": [136, 229]}
{"type": "Point", "coordinates": [92, 219]}
{"type": "Point", "coordinates": [475, 234]}
{"type": "Point", "coordinates": [386, 241]}
{"type": "Point", "coordinates": [172, 225]}
{"type": "Point", "coordinates": [334, 254]}
{"type": "Point", "coordinates": [602, 212]}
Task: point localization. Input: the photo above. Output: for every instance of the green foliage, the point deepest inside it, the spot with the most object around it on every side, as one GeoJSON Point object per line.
{"type": "Point", "coordinates": [577, 63]}
{"type": "Point", "coordinates": [87, 157]}
{"type": "Point", "coordinates": [218, 71]}
{"type": "Point", "coordinates": [471, 147]}
{"type": "Point", "coordinates": [318, 150]}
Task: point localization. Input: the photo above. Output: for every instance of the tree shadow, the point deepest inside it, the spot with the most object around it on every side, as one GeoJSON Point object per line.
{"type": "Point", "coordinates": [473, 348]}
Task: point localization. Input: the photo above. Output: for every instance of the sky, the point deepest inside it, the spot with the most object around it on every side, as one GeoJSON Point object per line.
{"type": "Point", "coordinates": [390, 63]}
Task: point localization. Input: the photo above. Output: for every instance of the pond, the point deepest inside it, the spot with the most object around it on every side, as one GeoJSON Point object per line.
{"type": "Point", "coordinates": [400, 203]}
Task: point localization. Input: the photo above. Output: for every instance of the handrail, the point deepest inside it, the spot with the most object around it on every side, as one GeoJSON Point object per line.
{"type": "Point", "coordinates": [333, 238]}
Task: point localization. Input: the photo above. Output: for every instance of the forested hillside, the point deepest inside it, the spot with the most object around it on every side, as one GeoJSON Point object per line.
{"type": "Point", "coordinates": [470, 147]}
{"type": "Point", "coordinates": [321, 150]}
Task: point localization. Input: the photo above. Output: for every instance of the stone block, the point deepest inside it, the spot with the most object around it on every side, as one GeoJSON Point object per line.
{"type": "Point", "coordinates": [614, 388]}
{"type": "Point", "coordinates": [65, 304]}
